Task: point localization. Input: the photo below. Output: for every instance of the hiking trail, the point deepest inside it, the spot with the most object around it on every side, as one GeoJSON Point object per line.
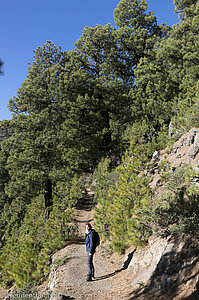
{"type": "Point", "coordinates": [69, 280]}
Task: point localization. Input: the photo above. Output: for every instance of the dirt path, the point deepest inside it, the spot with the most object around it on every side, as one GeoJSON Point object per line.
{"type": "Point", "coordinates": [69, 280]}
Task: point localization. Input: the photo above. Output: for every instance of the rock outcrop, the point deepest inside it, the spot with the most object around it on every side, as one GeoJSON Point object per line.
{"type": "Point", "coordinates": [169, 268]}
{"type": "Point", "coordinates": [185, 151]}
{"type": "Point", "coordinates": [165, 269]}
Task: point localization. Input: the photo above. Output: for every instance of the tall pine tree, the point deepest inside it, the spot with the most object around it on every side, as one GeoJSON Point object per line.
{"type": "Point", "coordinates": [33, 153]}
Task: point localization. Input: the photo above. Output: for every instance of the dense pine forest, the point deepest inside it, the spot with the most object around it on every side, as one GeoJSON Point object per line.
{"type": "Point", "coordinates": [93, 117]}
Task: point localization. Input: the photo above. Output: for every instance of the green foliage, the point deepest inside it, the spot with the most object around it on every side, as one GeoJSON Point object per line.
{"type": "Point", "coordinates": [103, 179]}
{"type": "Point", "coordinates": [61, 261]}
{"type": "Point", "coordinates": [193, 119]}
{"type": "Point", "coordinates": [4, 178]}
{"type": "Point", "coordinates": [176, 212]}
{"type": "Point", "coordinates": [166, 80]}
{"type": "Point", "coordinates": [136, 35]}
{"type": "Point", "coordinates": [39, 92]}
{"type": "Point", "coordinates": [118, 208]}
{"type": "Point", "coordinates": [145, 139]}
{"type": "Point", "coordinates": [60, 225]}
{"type": "Point", "coordinates": [180, 51]}
{"type": "Point", "coordinates": [190, 118]}
{"type": "Point", "coordinates": [27, 253]}
{"type": "Point", "coordinates": [69, 192]}
{"type": "Point", "coordinates": [80, 127]}
{"type": "Point", "coordinates": [183, 6]}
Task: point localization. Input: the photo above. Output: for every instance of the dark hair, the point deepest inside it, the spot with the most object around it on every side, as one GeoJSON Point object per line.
{"type": "Point", "coordinates": [89, 225]}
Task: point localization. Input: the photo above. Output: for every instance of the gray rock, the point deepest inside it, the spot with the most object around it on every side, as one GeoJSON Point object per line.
{"type": "Point", "coordinates": [56, 296]}
{"type": "Point", "coordinates": [195, 147]}
{"type": "Point", "coordinates": [193, 131]}
{"type": "Point", "coordinates": [174, 151]}
{"type": "Point", "coordinates": [156, 155]}
{"type": "Point", "coordinates": [166, 282]}
{"type": "Point", "coordinates": [190, 139]}
{"type": "Point", "coordinates": [162, 265]}
{"type": "Point", "coordinates": [171, 129]}
{"type": "Point", "coordinates": [196, 144]}
{"type": "Point", "coordinates": [196, 167]}
{"type": "Point", "coordinates": [158, 182]}
{"type": "Point", "coordinates": [144, 263]}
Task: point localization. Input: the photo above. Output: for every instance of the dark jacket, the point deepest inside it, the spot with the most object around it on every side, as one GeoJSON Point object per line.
{"type": "Point", "coordinates": [90, 248]}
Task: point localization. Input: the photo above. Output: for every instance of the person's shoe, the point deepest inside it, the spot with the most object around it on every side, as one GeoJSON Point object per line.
{"type": "Point", "coordinates": [93, 276]}
{"type": "Point", "coordinates": [89, 278]}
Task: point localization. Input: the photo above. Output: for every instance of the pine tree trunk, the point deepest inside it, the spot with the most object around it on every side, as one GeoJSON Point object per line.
{"type": "Point", "coordinates": [48, 197]}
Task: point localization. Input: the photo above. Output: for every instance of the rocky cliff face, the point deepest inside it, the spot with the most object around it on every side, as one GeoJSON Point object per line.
{"type": "Point", "coordinates": [165, 269]}
{"type": "Point", "coordinates": [169, 268]}
{"type": "Point", "coordinates": [185, 151]}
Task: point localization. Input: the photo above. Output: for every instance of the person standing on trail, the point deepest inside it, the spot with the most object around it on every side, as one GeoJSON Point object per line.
{"type": "Point", "coordinates": [90, 249]}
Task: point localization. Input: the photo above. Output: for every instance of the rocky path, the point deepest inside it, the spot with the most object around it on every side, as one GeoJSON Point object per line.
{"type": "Point", "coordinates": [69, 280]}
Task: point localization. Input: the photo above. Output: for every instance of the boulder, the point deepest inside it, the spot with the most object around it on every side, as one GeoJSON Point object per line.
{"type": "Point", "coordinates": [156, 155]}
{"type": "Point", "coordinates": [145, 261]}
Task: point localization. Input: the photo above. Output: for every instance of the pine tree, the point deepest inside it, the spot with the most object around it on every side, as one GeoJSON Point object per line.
{"type": "Point", "coordinates": [103, 179]}
{"type": "Point", "coordinates": [136, 34]}
{"type": "Point", "coordinates": [33, 145]}
{"type": "Point", "coordinates": [4, 199]}
{"type": "Point", "coordinates": [4, 178]}
{"type": "Point", "coordinates": [180, 53]}
{"type": "Point", "coordinates": [1, 65]}
{"type": "Point", "coordinates": [99, 108]}
{"type": "Point", "coordinates": [118, 213]}
{"type": "Point", "coordinates": [166, 81]}
{"type": "Point", "coordinates": [182, 7]}
{"type": "Point", "coordinates": [26, 255]}
{"type": "Point", "coordinates": [153, 97]}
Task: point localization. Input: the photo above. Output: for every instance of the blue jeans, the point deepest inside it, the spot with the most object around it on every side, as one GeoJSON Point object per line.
{"type": "Point", "coordinates": [91, 269]}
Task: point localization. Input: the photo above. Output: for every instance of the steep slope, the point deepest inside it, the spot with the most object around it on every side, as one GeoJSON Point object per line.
{"type": "Point", "coordinates": [167, 268]}
{"type": "Point", "coordinates": [184, 151]}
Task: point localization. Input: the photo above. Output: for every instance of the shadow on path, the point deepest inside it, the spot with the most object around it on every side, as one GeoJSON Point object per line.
{"type": "Point", "coordinates": [108, 275]}
{"type": "Point", "coordinates": [63, 297]}
{"type": "Point", "coordinates": [78, 241]}
{"type": "Point", "coordinates": [85, 203]}
{"type": "Point", "coordinates": [84, 221]}
{"type": "Point", "coordinates": [125, 266]}
{"type": "Point", "coordinates": [129, 258]}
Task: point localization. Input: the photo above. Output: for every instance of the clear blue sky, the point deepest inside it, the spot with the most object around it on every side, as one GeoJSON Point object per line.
{"type": "Point", "coordinates": [27, 24]}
